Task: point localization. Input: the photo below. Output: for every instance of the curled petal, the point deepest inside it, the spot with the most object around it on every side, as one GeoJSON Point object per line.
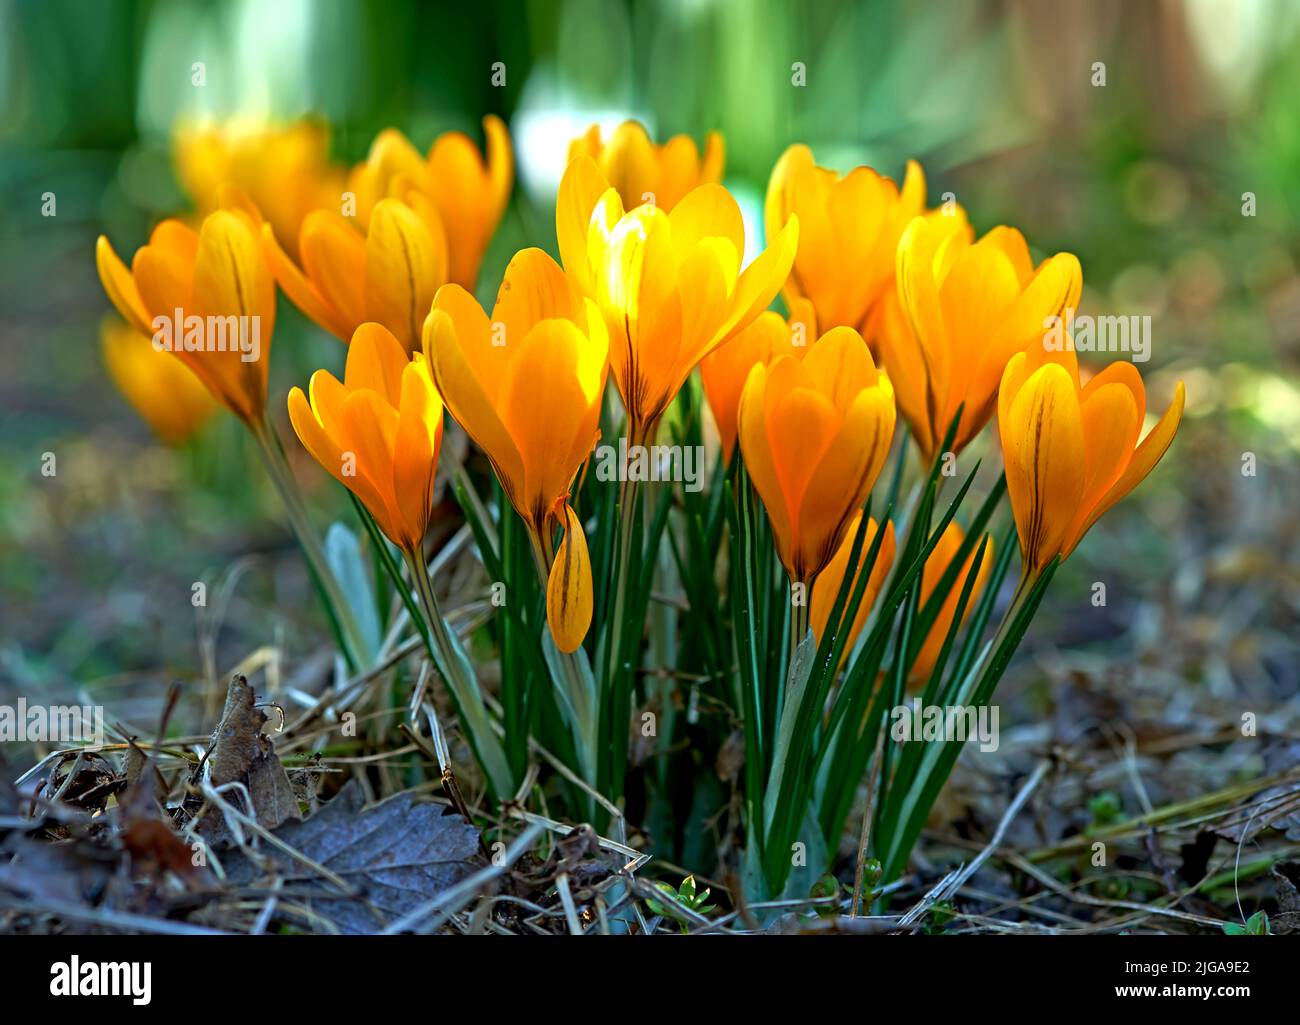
{"type": "Point", "coordinates": [580, 189]}
{"type": "Point", "coordinates": [568, 588]}
{"type": "Point", "coordinates": [1150, 452]}
{"type": "Point", "coordinates": [120, 286]}
{"type": "Point", "coordinates": [416, 447]}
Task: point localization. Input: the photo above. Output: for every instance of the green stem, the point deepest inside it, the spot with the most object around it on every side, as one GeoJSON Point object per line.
{"type": "Point", "coordinates": [793, 694]}
{"type": "Point", "coordinates": [800, 618]}
{"type": "Point", "coordinates": [936, 763]}
{"type": "Point", "coordinates": [581, 699]}
{"type": "Point", "coordinates": [610, 654]}
{"type": "Point", "coordinates": [342, 620]}
{"type": "Point", "coordinates": [627, 496]}
{"type": "Point", "coordinates": [454, 671]}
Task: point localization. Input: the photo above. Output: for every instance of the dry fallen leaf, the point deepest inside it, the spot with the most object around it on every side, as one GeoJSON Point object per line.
{"type": "Point", "coordinates": [240, 753]}
{"type": "Point", "coordinates": [396, 855]}
{"type": "Point", "coordinates": [1286, 880]}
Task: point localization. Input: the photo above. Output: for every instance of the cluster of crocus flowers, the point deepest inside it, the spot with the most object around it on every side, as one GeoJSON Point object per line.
{"type": "Point", "coordinates": [725, 370]}
{"type": "Point", "coordinates": [970, 306]}
{"type": "Point", "coordinates": [163, 390]}
{"type": "Point", "coordinates": [893, 310]}
{"type": "Point", "coordinates": [205, 296]}
{"type": "Point", "coordinates": [849, 227]}
{"type": "Point", "coordinates": [378, 431]}
{"type": "Point", "coordinates": [645, 172]}
{"type": "Point", "coordinates": [1072, 450]}
{"type": "Point", "coordinates": [668, 284]}
{"type": "Point", "coordinates": [464, 190]}
{"type": "Point", "coordinates": [815, 434]}
{"type": "Point", "coordinates": [526, 385]}
{"type": "Point", "coordinates": [284, 169]}
{"type": "Point", "coordinates": [409, 225]}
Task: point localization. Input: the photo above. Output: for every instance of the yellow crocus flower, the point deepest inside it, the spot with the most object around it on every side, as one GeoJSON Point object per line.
{"type": "Point", "coordinates": [849, 227]}
{"type": "Point", "coordinates": [644, 172]}
{"type": "Point", "coordinates": [970, 306]}
{"type": "Point", "coordinates": [214, 279]}
{"type": "Point", "coordinates": [526, 385]}
{"type": "Point", "coordinates": [378, 432]}
{"type": "Point", "coordinates": [1072, 451]}
{"type": "Point", "coordinates": [387, 275]}
{"type": "Point", "coordinates": [284, 169]}
{"type": "Point", "coordinates": [669, 285]}
{"type": "Point", "coordinates": [466, 190]}
{"type": "Point", "coordinates": [815, 434]}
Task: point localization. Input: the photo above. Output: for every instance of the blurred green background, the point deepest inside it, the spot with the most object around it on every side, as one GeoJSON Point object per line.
{"type": "Point", "coordinates": [1143, 178]}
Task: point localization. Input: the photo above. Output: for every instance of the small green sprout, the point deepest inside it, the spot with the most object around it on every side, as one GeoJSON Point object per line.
{"type": "Point", "coordinates": [941, 914]}
{"type": "Point", "coordinates": [685, 896]}
{"type": "Point", "coordinates": [826, 887]}
{"type": "Point", "coordinates": [1104, 808]}
{"type": "Point", "coordinates": [1256, 925]}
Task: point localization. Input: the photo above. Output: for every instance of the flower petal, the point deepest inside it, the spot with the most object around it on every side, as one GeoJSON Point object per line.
{"type": "Point", "coordinates": [569, 589]}
{"type": "Point", "coordinates": [455, 372]}
{"type": "Point", "coordinates": [844, 475]}
{"type": "Point", "coordinates": [1042, 445]}
{"type": "Point", "coordinates": [580, 190]}
{"type": "Point", "coordinates": [334, 261]}
{"type": "Point", "coordinates": [300, 290]}
{"type": "Point", "coordinates": [405, 266]}
{"type": "Point", "coordinates": [533, 289]}
{"type": "Point", "coordinates": [415, 451]}
{"type": "Point", "coordinates": [376, 360]}
{"type": "Point", "coordinates": [370, 434]}
{"type": "Point", "coordinates": [549, 410]}
{"type": "Point", "coordinates": [1149, 452]}
{"type": "Point", "coordinates": [120, 286]}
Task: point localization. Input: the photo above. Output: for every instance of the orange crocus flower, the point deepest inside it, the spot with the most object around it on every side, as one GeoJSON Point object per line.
{"type": "Point", "coordinates": [378, 432]}
{"type": "Point", "coordinates": [284, 169]}
{"type": "Point", "coordinates": [1072, 451]}
{"type": "Point", "coordinates": [849, 227]}
{"type": "Point", "coordinates": [526, 385]}
{"type": "Point", "coordinates": [205, 295]}
{"type": "Point", "coordinates": [970, 306]}
{"type": "Point", "coordinates": [466, 191]}
{"type": "Point", "coordinates": [163, 390]}
{"type": "Point", "coordinates": [669, 285]}
{"type": "Point", "coordinates": [643, 172]}
{"type": "Point", "coordinates": [388, 275]}
{"type": "Point", "coordinates": [815, 434]}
